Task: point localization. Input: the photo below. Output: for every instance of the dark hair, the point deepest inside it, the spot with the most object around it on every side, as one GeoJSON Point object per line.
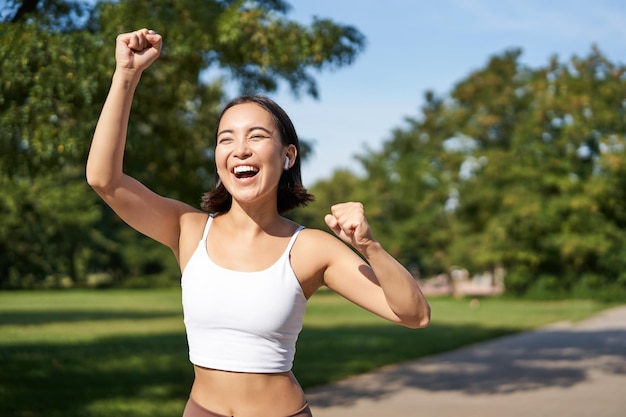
{"type": "Point", "coordinates": [291, 192]}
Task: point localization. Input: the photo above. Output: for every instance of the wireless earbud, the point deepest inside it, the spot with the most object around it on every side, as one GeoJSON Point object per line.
{"type": "Point", "coordinates": [286, 163]}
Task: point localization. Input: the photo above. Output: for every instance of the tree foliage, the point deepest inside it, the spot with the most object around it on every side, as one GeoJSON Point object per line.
{"type": "Point", "coordinates": [518, 168]}
{"type": "Point", "coordinates": [56, 61]}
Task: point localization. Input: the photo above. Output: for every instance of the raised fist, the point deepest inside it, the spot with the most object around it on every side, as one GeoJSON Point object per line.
{"type": "Point", "coordinates": [348, 222]}
{"type": "Point", "coordinates": [137, 50]}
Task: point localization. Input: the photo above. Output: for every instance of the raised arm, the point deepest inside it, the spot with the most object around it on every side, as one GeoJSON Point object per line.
{"type": "Point", "coordinates": [383, 285]}
{"type": "Point", "coordinates": [144, 210]}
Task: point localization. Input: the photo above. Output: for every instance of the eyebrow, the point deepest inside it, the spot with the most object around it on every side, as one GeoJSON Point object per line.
{"type": "Point", "coordinates": [253, 128]}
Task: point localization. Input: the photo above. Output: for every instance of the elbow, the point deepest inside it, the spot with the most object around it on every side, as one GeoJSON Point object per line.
{"type": "Point", "coordinates": [420, 320]}
{"type": "Point", "coordinates": [101, 186]}
{"type": "Point", "coordinates": [93, 180]}
{"type": "Point", "coordinates": [423, 323]}
{"type": "Point", "coordinates": [97, 180]}
{"type": "Point", "coordinates": [418, 324]}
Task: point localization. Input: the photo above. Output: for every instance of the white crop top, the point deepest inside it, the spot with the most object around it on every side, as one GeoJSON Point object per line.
{"type": "Point", "coordinates": [242, 321]}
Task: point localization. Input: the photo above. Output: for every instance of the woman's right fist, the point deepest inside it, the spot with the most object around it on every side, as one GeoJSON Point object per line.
{"type": "Point", "coordinates": [137, 50]}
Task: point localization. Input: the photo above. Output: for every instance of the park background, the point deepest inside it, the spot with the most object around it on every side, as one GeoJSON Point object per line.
{"type": "Point", "coordinates": [484, 137]}
{"type": "Point", "coordinates": [510, 165]}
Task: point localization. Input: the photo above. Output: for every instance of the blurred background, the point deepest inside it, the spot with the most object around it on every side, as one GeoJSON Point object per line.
{"type": "Point", "coordinates": [416, 46]}
{"type": "Point", "coordinates": [486, 139]}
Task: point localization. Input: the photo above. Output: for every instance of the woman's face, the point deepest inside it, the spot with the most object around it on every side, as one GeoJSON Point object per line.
{"type": "Point", "coordinates": [249, 154]}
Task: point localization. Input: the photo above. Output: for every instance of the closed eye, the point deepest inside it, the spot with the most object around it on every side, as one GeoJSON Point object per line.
{"type": "Point", "coordinates": [225, 140]}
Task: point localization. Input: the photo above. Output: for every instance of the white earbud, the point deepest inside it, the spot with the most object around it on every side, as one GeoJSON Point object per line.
{"type": "Point", "coordinates": [286, 163]}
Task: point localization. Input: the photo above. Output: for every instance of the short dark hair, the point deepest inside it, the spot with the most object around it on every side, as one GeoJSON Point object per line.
{"type": "Point", "coordinates": [291, 192]}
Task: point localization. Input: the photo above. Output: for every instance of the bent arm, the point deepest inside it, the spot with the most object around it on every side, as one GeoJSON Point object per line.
{"type": "Point", "coordinates": [381, 285]}
{"type": "Point", "coordinates": [144, 210]}
{"type": "Point", "coordinates": [402, 292]}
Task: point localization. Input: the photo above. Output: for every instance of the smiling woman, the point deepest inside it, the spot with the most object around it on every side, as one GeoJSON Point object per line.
{"type": "Point", "coordinates": [247, 271]}
{"type": "Point", "coordinates": [264, 123]}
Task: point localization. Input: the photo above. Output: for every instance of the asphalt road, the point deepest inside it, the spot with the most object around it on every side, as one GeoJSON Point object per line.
{"type": "Point", "coordinates": [572, 370]}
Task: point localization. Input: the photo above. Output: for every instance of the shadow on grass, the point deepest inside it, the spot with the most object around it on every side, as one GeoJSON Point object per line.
{"type": "Point", "coordinates": [149, 375]}
{"type": "Point", "coordinates": [524, 362]}
{"type": "Point", "coordinates": [137, 375]}
{"type": "Point", "coordinates": [25, 318]}
{"type": "Point", "coordinates": [65, 380]}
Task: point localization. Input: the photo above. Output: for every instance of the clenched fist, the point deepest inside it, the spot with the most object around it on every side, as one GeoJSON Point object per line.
{"type": "Point", "coordinates": [348, 222]}
{"type": "Point", "coordinates": [136, 50]}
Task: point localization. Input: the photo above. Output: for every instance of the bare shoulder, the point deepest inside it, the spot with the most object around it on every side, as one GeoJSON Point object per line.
{"type": "Point", "coordinates": [323, 246]}
{"type": "Point", "coordinates": [309, 260]}
{"type": "Point", "coordinates": [192, 223]}
{"type": "Point", "coordinates": [191, 227]}
{"type": "Point", "coordinates": [316, 239]}
{"type": "Point", "coordinates": [315, 251]}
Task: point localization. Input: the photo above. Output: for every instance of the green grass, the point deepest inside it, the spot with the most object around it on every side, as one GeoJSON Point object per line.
{"type": "Point", "coordinates": [124, 352]}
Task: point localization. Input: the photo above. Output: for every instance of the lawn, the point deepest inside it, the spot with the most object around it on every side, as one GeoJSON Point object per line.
{"type": "Point", "coordinates": [124, 352]}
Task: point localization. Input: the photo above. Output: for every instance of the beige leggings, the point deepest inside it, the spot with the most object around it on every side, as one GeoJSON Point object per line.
{"type": "Point", "coordinates": [193, 409]}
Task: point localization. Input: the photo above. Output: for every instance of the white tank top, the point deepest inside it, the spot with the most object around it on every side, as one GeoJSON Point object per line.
{"type": "Point", "coordinates": [242, 321]}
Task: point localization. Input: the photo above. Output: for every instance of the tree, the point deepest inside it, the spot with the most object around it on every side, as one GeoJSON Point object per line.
{"type": "Point", "coordinates": [540, 218]}
{"type": "Point", "coordinates": [518, 168]}
{"type": "Point", "coordinates": [56, 64]}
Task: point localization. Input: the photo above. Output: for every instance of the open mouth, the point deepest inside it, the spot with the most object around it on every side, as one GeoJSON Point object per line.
{"type": "Point", "coordinates": [245, 171]}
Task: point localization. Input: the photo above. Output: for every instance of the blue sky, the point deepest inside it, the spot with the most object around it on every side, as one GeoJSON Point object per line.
{"type": "Point", "coordinates": [418, 45]}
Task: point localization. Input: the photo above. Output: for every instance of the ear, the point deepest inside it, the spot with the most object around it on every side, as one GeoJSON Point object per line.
{"type": "Point", "coordinates": [290, 156]}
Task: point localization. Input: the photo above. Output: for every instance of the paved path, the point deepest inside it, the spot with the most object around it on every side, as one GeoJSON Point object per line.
{"type": "Point", "coordinates": [562, 370]}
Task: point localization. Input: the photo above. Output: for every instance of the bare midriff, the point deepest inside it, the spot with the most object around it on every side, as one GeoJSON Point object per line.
{"type": "Point", "coordinates": [244, 394]}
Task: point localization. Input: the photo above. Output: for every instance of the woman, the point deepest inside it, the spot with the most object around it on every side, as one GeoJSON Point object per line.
{"type": "Point", "coordinates": [247, 272]}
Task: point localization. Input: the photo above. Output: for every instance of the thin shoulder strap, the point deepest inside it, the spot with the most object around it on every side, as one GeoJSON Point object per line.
{"type": "Point", "coordinates": [293, 238]}
{"type": "Point", "coordinates": [207, 227]}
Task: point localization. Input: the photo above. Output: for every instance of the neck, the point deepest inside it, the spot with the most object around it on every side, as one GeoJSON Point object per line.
{"type": "Point", "coordinates": [261, 216]}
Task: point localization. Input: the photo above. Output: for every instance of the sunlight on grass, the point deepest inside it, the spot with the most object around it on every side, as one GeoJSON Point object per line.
{"type": "Point", "coordinates": [124, 352]}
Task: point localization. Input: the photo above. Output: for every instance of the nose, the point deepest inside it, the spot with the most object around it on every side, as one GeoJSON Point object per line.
{"type": "Point", "coordinates": [242, 148]}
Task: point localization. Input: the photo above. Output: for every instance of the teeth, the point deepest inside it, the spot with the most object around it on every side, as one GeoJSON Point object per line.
{"type": "Point", "coordinates": [244, 168]}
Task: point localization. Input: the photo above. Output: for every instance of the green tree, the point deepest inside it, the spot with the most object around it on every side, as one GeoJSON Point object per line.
{"type": "Point", "coordinates": [518, 168]}
{"type": "Point", "coordinates": [531, 207]}
{"type": "Point", "coordinates": [45, 117]}
{"type": "Point", "coordinates": [56, 63]}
